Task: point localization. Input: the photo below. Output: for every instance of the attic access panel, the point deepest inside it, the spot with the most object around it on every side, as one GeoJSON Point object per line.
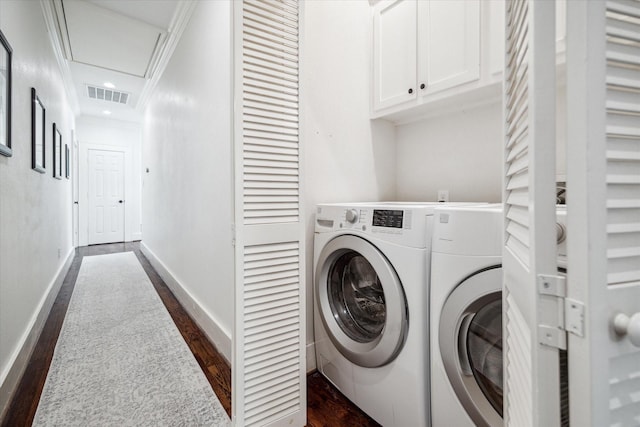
{"type": "Point", "coordinates": [106, 39]}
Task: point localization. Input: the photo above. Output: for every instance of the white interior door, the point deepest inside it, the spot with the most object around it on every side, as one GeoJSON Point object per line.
{"type": "Point", "coordinates": [269, 381]}
{"type": "Point", "coordinates": [75, 178]}
{"type": "Point", "coordinates": [106, 196]}
{"type": "Point", "coordinates": [603, 205]}
{"type": "Point", "coordinates": [531, 337]}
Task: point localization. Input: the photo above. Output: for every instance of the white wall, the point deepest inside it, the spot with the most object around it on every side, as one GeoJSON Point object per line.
{"type": "Point", "coordinates": [459, 152]}
{"type": "Point", "coordinates": [187, 198]}
{"type": "Point", "coordinates": [101, 133]}
{"type": "Point", "coordinates": [347, 157]}
{"type": "Point", "coordinates": [35, 209]}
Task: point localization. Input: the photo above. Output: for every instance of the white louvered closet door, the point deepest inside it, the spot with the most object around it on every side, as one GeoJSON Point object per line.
{"type": "Point", "coordinates": [531, 377]}
{"type": "Point", "coordinates": [603, 201]}
{"type": "Point", "coordinates": [269, 386]}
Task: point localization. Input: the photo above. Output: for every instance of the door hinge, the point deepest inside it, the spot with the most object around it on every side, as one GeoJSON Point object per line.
{"type": "Point", "coordinates": [567, 316]}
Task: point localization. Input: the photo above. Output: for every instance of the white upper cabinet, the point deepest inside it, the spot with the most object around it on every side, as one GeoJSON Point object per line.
{"type": "Point", "coordinates": [433, 56]}
{"type": "Point", "coordinates": [495, 28]}
{"type": "Point", "coordinates": [395, 26]}
{"type": "Point", "coordinates": [448, 44]}
{"type": "Point", "coordinates": [421, 48]}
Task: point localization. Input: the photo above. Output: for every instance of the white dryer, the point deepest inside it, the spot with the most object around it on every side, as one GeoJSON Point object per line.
{"type": "Point", "coordinates": [466, 316]}
{"type": "Point", "coordinates": [371, 266]}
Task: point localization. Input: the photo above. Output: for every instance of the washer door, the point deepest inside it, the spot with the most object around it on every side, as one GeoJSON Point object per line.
{"type": "Point", "coordinates": [361, 301]}
{"type": "Point", "coordinates": [470, 338]}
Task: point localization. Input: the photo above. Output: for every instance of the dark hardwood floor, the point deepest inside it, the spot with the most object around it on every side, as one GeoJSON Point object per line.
{"type": "Point", "coordinates": [327, 407]}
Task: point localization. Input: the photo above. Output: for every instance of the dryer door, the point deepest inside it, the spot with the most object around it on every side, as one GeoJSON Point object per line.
{"type": "Point", "coordinates": [470, 338]}
{"type": "Point", "coordinates": [361, 301]}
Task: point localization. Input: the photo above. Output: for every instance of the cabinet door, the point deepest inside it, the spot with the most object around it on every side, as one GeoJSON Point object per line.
{"type": "Point", "coordinates": [394, 53]}
{"type": "Point", "coordinates": [448, 43]}
{"type": "Point", "coordinates": [496, 34]}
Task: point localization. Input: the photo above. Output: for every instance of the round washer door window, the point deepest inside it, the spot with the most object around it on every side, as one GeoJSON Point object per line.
{"type": "Point", "coordinates": [356, 297]}
{"type": "Point", "coordinates": [361, 301]}
{"type": "Point", "coordinates": [470, 339]}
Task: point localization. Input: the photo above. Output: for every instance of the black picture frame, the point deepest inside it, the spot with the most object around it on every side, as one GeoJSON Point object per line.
{"type": "Point", "coordinates": [6, 55]}
{"type": "Point", "coordinates": [38, 133]}
{"type": "Point", "coordinates": [57, 152]}
{"type": "Point", "coordinates": [66, 162]}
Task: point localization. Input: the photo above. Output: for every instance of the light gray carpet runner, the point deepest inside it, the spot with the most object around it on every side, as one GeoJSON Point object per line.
{"type": "Point", "coordinates": [120, 360]}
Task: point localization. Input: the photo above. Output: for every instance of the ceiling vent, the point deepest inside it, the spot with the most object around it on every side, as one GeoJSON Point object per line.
{"type": "Point", "coordinates": [103, 94]}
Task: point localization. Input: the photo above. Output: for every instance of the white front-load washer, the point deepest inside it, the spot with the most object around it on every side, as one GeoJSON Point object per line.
{"type": "Point", "coordinates": [371, 273]}
{"type": "Point", "coordinates": [466, 315]}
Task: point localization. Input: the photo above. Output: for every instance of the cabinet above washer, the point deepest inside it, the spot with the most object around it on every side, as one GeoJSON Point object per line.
{"type": "Point", "coordinates": [423, 47]}
{"type": "Point", "coordinates": [434, 56]}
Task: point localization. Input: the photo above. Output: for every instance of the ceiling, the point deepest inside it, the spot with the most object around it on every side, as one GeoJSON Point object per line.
{"type": "Point", "coordinates": [115, 46]}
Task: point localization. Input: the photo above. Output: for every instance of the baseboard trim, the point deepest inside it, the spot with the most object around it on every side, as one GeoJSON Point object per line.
{"type": "Point", "coordinates": [18, 363]}
{"type": "Point", "coordinates": [311, 357]}
{"type": "Point", "coordinates": [218, 337]}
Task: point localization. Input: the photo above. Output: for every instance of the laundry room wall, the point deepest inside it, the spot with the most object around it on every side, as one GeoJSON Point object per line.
{"type": "Point", "coordinates": [36, 246]}
{"type": "Point", "coordinates": [97, 132]}
{"type": "Point", "coordinates": [347, 157]}
{"type": "Point", "coordinates": [460, 152]}
{"type": "Point", "coordinates": [187, 197]}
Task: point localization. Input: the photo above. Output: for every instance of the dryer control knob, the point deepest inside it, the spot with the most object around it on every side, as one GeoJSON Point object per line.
{"type": "Point", "coordinates": [352, 216]}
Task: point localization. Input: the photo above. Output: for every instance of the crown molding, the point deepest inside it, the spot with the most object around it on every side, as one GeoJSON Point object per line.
{"type": "Point", "coordinates": [51, 11]}
{"type": "Point", "coordinates": [181, 18]}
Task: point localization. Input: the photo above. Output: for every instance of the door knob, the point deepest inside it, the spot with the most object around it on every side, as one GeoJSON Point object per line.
{"type": "Point", "coordinates": [120, 201]}
{"type": "Point", "coordinates": [629, 326]}
{"type": "Point", "coordinates": [410, 90]}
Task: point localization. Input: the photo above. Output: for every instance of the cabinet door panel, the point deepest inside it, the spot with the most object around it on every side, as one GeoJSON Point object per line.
{"type": "Point", "coordinates": [448, 43]}
{"type": "Point", "coordinates": [394, 53]}
{"type": "Point", "coordinates": [495, 32]}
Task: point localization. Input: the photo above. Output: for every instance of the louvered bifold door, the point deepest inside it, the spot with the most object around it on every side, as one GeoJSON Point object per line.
{"type": "Point", "coordinates": [531, 384]}
{"type": "Point", "coordinates": [269, 386]}
{"type": "Point", "coordinates": [603, 202]}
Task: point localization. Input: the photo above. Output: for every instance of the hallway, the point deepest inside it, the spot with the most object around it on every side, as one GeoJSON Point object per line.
{"type": "Point", "coordinates": [326, 406]}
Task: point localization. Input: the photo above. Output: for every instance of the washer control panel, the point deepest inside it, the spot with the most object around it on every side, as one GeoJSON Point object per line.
{"type": "Point", "coordinates": [351, 216]}
{"type": "Point", "coordinates": [403, 223]}
{"type": "Point", "coordinates": [391, 218]}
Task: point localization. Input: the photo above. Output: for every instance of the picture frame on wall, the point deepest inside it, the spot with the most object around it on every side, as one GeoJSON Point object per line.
{"type": "Point", "coordinates": [66, 163]}
{"type": "Point", "coordinates": [6, 54]}
{"type": "Point", "coordinates": [57, 152]}
{"type": "Point", "coordinates": [38, 137]}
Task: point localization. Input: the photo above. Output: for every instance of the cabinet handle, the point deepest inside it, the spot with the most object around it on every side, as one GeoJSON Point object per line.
{"type": "Point", "coordinates": [422, 86]}
{"type": "Point", "coordinates": [410, 90]}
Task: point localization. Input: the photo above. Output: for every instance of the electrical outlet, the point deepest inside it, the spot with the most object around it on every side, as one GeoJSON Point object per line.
{"type": "Point", "coordinates": [443, 196]}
